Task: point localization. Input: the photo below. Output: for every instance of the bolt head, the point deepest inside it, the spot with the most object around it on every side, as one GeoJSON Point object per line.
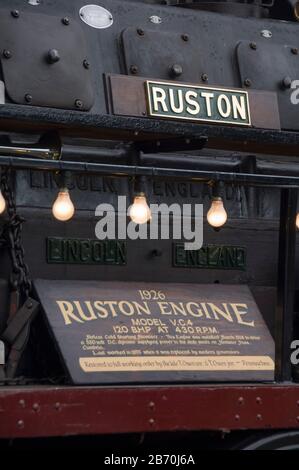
{"type": "Point", "coordinates": [7, 54]}
{"type": "Point", "coordinates": [28, 98]}
{"type": "Point", "coordinates": [79, 104]}
{"type": "Point", "coordinates": [286, 83]}
{"type": "Point", "coordinates": [53, 56]}
{"type": "Point", "coordinates": [15, 13]}
{"type": "Point", "coordinates": [247, 82]}
{"type": "Point", "coordinates": [176, 70]}
{"type": "Point", "coordinates": [65, 21]}
{"type": "Point", "coordinates": [140, 32]}
{"type": "Point", "coordinates": [295, 50]}
{"type": "Point", "coordinates": [185, 37]}
{"type": "Point", "coordinates": [86, 64]}
{"type": "Point", "coordinates": [134, 69]}
{"type": "Point", "coordinates": [253, 46]}
{"type": "Point", "coordinates": [205, 77]}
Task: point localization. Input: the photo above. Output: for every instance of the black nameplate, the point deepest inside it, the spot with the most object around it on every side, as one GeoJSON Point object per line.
{"type": "Point", "coordinates": [210, 257]}
{"type": "Point", "coordinates": [86, 251]}
{"type": "Point", "coordinates": [127, 332]}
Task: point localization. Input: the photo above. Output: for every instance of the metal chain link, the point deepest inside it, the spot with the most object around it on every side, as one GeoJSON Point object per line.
{"type": "Point", "coordinates": [11, 237]}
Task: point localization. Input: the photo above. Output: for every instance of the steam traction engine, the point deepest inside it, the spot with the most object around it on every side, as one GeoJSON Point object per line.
{"type": "Point", "coordinates": [185, 102]}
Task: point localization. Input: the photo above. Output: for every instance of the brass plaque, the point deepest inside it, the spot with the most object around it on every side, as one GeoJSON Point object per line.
{"type": "Point", "coordinates": [198, 103]}
{"type": "Point", "coordinates": [127, 332]}
{"type": "Point", "coordinates": [210, 257]}
{"type": "Point", "coordinates": [86, 251]}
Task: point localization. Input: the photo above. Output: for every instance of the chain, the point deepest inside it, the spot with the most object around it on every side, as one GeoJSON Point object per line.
{"type": "Point", "coordinates": [11, 237]}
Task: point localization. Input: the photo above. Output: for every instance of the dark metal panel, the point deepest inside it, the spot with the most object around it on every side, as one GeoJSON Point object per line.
{"type": "Point", "coordinates": [271, 66]}
{"type": "Point", "coordinates": [57, 411]}
{"type": "Point", "coordinates": [43, 61]}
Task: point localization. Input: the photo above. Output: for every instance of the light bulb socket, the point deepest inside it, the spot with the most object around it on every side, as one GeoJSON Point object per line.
{"type": "Point", "coordinates": [64, 180]}
{"type": "Point", "coordinates": [139, 187]}
{"type": "Point", "coordinates": [217, 190]}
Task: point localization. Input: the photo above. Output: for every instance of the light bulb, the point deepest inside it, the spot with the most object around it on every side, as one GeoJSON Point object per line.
{"type": "Point", "coordinates": [63, 208]}
{"type": "Point", "coordinates": [2, 203]}
{"type": "Point", "coordinates": [139, 211]}
{"type": "Point", "coordinates": [217, 215]}
{"type": "Point", "coordinates": [297, 220]}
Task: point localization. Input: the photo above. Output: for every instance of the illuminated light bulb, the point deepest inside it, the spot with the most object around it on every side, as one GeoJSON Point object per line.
{"type": "Point", "coordinates": [297, 220]}
{"type": "Point", "coordinates": [2, 203]}
{"type": "Point", "coordinates": [63, 208]}
{"type": "Point", "coordinates": [217, 215]}
{"type": "Point", "coordinates": [139, 211]}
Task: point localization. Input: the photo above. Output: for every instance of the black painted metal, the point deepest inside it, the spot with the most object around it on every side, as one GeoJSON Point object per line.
{"type": "Point", "coordinates": [285, 284]}
{"type": "Point", "coordinates": [154, 172]}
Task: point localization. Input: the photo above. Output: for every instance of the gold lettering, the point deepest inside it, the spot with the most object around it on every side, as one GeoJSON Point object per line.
{"type": "Point", "coordinates": [236, 308]}
{"type": "Point", "coordinates": [102, 312]}
{"type": "Point", "coordinates": [217, 311]}
{"type": "Point", "coordinates": [142, 308]}
{"type": "Point", "coordinates": [126, 308]}
{"type": "Point", "coordinates": [67, 310]}
{"type": "Point", "coordinates": [197, 312]}
{"type": "Point", "coordinates": [163, 308]}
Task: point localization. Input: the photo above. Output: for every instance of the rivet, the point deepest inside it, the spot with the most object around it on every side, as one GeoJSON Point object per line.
{"type": "Point", "coordinates": [295, 50]}
{"type": "Point", "coordinates": [29, 305]}
{"type": "Point", "coordinates": [241, 400]}
{"type": "Point", "coordinates": [86, 64]}
{"type": "Point", "coordinates": [297, 419]}
{"type": "Point", "coordinates": [185, 37]}
{"type": "Point", "coordinates": [237, 417]}
{"type": "Point", "coordinates": [65, 21]}
{"type": "Point", "coordinates": [7, 54]}
{"type": "Point", "coordinates": [79, 104]}
{"type": "Point", "coordinates": [20, 423]}
{"type": "Point", "coordinates": [140, 32]}
{"type": "Point", "coordinates": [204, 77]}
{"type": "Point", "coordinates": [259, 400]}
{"type": "Point", "coordinates": [22, 403]}
{"type": "Point", "coordinates": [176, 70]}
{"type": "Point", "coordinates": [35, 407]}
{"type": "Point", "coordinates": [151, 405]}
{"type": "Point", "coordinates": [15, 13]}
{"type": "Point", "coordinates": [259, 417]}
{"type": "Point", "coordinates": [151, 421]}
{"type": "Point", "coordinates": [247, 82]}
{"type": "Point", "coordinates": [286, 83]}
{"type": "Point", "coordinates": [298, 403]}
{"type": "Point", "coordinates": [28, 98]}
{"type": "Point", "coordinates": [253, 46]}
{"type": "Point", "coordinates": [134, 69]}
{"type": "Point", "coordinates": [53, 56]}
{"type": "Point", "coordinates": [57, 406]}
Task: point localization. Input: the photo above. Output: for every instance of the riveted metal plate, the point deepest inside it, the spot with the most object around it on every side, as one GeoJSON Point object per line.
{"type": "Point", "coordinates": [155, 53]}
{"type": "Point", "coordinates": [29, 76]}
{"type": "Point", "coordinates": [266, 65]}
